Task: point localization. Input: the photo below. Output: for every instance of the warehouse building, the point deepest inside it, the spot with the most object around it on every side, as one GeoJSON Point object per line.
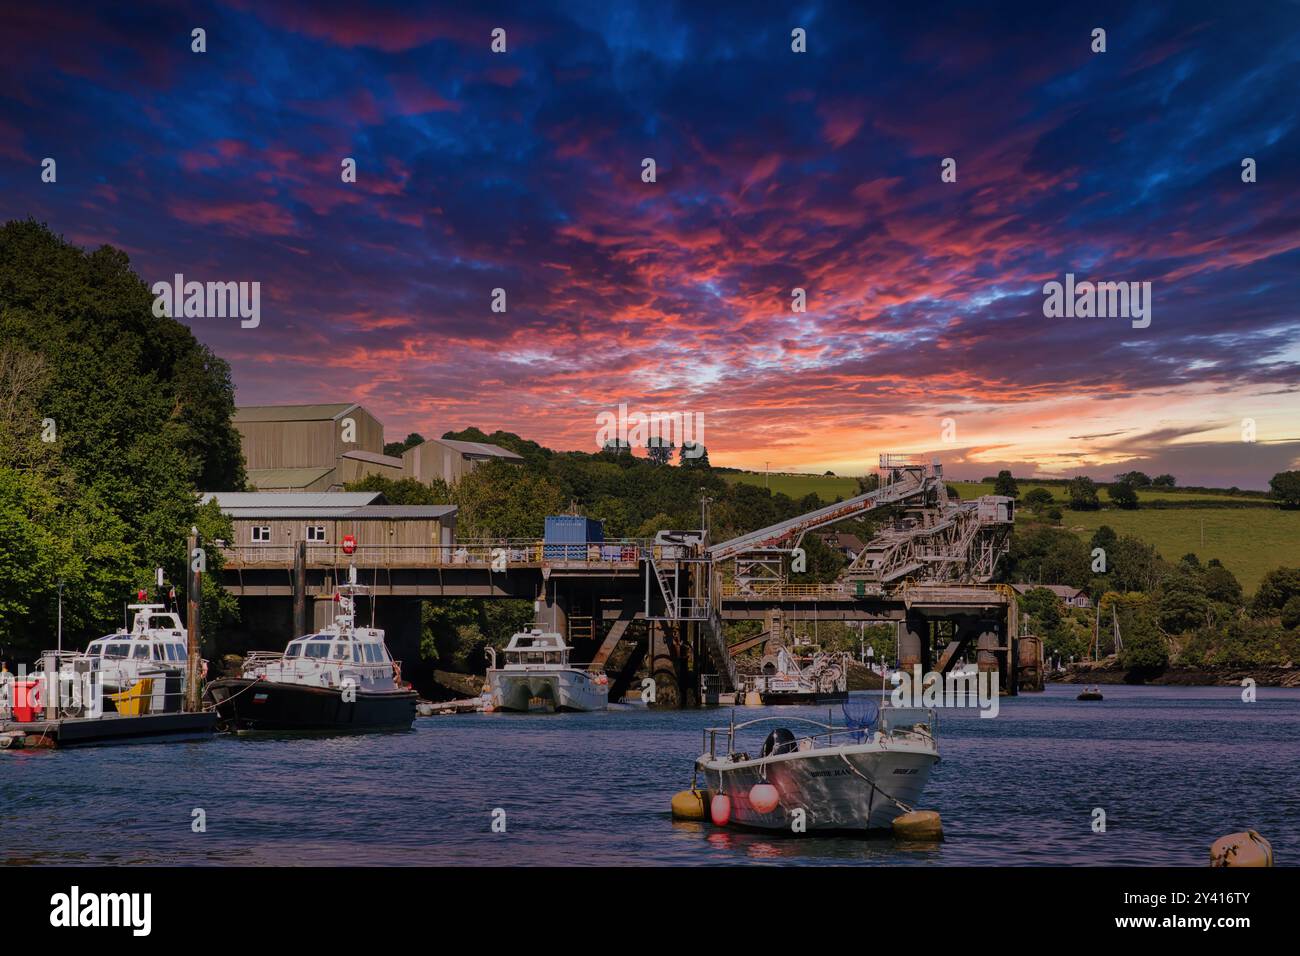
{"type": "Point", "coordinates": [451, 460]}
{"type": "Point", "coordinates": [269, 525]}
{"type": "Point", "coordinates": [307, 448]}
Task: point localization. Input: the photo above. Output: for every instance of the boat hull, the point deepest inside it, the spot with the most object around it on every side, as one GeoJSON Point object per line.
{"type": "Point", "coordinates": [271, 705]}
{"type": "Point", "coordinates": [562, 691]}
{"type": "Point", "coordinates": [827, 784]}
{"type": "Point", "coordinates": [777, 698]}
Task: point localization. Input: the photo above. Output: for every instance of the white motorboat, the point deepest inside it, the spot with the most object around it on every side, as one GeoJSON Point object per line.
{"type": "Point", "coordinates": [157, 642]}
{"type": "Point", "coordinates": [341, 678]}
{"type": "Point", "coordinates": [853, 778]}
{"type": "Point", "coordinates": [537, 676]}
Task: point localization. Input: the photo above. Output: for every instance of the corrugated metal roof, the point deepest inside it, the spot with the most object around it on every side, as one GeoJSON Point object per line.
{"type": "Point", "coordinates": [285, 477]}
{"type": "Point", "coordinates": [292, 413]}
{"type": "Point", "coordinates": [478, 448]}
{"type": "Point", "coordinates": [322, 502]}
{"type": "Point", "coordinates": [364, 513]}
{"type": "Point", "coordinates": [404, 511]}
{"type": "Point", "coordinates": [374, 457]}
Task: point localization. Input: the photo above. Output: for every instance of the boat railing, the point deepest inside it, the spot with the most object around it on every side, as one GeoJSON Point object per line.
{"type": "Point", "coordinates": [916, 722]}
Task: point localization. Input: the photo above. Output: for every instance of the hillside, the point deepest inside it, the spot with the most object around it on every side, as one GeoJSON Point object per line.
{"type": "Point", "coordinates": [1247, 532]}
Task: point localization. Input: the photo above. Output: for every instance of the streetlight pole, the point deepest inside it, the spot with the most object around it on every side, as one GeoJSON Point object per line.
{"type": "Point", "coordinates": [60, 645]}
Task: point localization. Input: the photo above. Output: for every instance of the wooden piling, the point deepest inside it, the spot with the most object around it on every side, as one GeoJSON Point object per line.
{"type": "Point", "coordinates": [192, 623]}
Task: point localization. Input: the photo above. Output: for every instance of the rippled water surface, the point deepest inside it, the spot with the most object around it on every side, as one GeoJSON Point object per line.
{"type": "Point", "coordinates": [1173, 768]}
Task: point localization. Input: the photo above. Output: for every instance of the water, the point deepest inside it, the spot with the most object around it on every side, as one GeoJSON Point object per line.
{"type": "Point", "coordinates": [1174, 768]}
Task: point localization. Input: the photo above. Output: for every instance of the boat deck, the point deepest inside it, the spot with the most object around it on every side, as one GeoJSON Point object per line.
{"type": "Point", "coordinates": [107, 729]}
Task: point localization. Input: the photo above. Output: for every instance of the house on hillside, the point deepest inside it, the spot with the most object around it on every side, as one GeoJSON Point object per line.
{"type": "Point", "coordinates": [849, 545]}
{"type": "Point", "coordinates": [1071, 597]}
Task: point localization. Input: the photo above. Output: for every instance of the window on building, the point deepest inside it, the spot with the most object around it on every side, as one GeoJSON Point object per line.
{"type": "Point", "coordinates": [261, 534]}
{"type": "Point", "coordinates": [316, 532]}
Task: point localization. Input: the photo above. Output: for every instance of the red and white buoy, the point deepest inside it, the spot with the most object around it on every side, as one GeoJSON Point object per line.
{"type": "Point", "coordinates": [720, 810]}
{"type": "Point", "coordinates": [764, 797]}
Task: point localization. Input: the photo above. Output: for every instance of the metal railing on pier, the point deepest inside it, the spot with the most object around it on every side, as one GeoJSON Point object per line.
{"type": "Point", "coordinates": [493, 554]}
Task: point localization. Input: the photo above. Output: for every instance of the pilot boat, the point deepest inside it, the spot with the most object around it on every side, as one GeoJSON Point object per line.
{"type": "Point", "coordinates": [537, 676]}
{"type": "Point", "coordinates": [131, 671]}
{"type": "Point", "coordinates": [858, 777]}
{"type": "Point", "coordinates": [341, 678]}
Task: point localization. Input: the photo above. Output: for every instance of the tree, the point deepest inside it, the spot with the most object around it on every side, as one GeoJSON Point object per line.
{"type": "Point", "coordinates": [1134, 565]}
{"type": "Point", "coordinates": [693, 455]}
{"type": "Point", "coordinates": [1277, 587]}
{"type": "Point", "coordinates": [503, 500]}
{"type": "Point", "coordinates": [1049, 556]}
{"type": "Point", "coordinates": [404, 491]}
{"type": "Point", "coordinates": [140, 415]}
{"type": "Point", "coordinates": [1144, 646]}
{"type": "Point", "coordinates": [1285, 487]}
{"type": "Point", "coordinates": [1054, 515]}
{"type": "Point", "coordinates": [1081, 492]}
{"type": "Point", "coordinates": [1124, 495]}
{"type": "Point", "coordinates": [394, 449]}
{"type": "Point", "coordinates": [1104, 537]}
{"type": "Point", "coordinates": [1291, 612]}
{"type": "Point", "coordinates": [1221, 585]}
{"type": "Point", "coordinates": [1163, 481]}
{"type": "Point", "coordinates": [1037, 499]}
{"type": "Point", "coordinates": [1137, 479]}
{"type": "Point", "coordinates": [1006, 485]}
{"type": "Point", "coordinates": [868, 483]}
{"type": "Point", "coordinates": [659, 451]}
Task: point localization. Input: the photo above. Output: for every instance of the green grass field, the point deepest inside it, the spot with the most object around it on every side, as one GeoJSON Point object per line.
{"type": "Point", "coordinates": [796, 486]}
{"type": "Point", "coordinates": [1249, 541]}
{"type": "Point", "coordinates": [974, 489]}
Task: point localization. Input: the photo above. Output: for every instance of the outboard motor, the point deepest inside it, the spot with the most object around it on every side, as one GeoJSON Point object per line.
{"type": "Point", "coordinates": [779, 741]}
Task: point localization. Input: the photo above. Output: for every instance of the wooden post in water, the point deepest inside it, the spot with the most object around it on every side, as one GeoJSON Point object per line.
{"type": "Point", "coordinates": [300, 590]}
{"type": "Point", "coordinates": [193, 624]}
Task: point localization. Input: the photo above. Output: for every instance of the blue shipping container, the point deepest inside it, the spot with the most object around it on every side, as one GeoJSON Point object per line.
{"type": "Point", "coordinates": [567, 536]}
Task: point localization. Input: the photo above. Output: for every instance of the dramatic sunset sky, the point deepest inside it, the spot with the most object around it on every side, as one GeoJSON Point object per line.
{"type": "Point", "coordinates": [776, 170]}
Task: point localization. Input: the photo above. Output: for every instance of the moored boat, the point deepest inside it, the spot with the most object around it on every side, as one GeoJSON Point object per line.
{"type": "Point", "coordinates": [852, 778]}
{"type": "Point", "coordinates": [341, 679]}
{"type": "Point", "coordinates": [537, 676]}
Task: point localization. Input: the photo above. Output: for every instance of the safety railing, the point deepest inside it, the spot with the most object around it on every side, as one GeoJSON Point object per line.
{"type": "Point", "coordinates": [492, 554]}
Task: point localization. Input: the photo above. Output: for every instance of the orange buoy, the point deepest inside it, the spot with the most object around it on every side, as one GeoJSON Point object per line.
{"type": "Point", "coordinates": [688, 805]}
{"type": "Point", "coordinates": [720, 810]}
{"type": "Point", "coordinates": [1241, 849]}
{"type": "Point", "coordinates": [764, 797]}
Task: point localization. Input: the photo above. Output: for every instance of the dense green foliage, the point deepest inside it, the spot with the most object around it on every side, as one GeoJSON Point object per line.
{"type": "Point", "coordinates": [1285, 487]}
{"type": "Point", "coordinates": [110, 420]}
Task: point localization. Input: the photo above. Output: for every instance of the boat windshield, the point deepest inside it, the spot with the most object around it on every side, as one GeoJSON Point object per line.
{"type": "Point", "coordinates": [117, 650]}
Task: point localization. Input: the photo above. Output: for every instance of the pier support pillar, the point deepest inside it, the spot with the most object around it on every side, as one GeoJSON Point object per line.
{"type": "Point", "coordinates": [552, 608]}
{"type": "Point", "coordinates": [914, 643]}
{"type": "Point", "coordinates": [300, 590]}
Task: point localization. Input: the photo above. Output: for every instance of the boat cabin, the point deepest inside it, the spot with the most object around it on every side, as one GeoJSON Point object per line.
{"type": "Point", "coordinates": [362, 646]}
{"type": "Point", "coordinates": [534, 648]}
{"type": "Point", "coordinates": [156, 635]}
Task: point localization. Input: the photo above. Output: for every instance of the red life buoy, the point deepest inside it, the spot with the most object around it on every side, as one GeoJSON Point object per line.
{"type": "Point", "coordinates": [349, 544]}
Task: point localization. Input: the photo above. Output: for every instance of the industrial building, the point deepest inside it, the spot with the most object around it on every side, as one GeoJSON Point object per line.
{"type": "Point", "coordinates": [450, 460]}
{"type": "Point", "coordinates": [291, 448]}
{"type": "Point", "coordinates": [269, 525]}
{"type": "Point", "coordinates": [309, 448]}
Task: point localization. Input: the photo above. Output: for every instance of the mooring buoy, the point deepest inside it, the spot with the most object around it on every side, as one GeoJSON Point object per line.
{"type": "Point", "coordinates": [688, 805]}
{"type": "Point", "coordinates": [918, 825]}
{"type": "Point", "coordinates": [1241, 849]}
